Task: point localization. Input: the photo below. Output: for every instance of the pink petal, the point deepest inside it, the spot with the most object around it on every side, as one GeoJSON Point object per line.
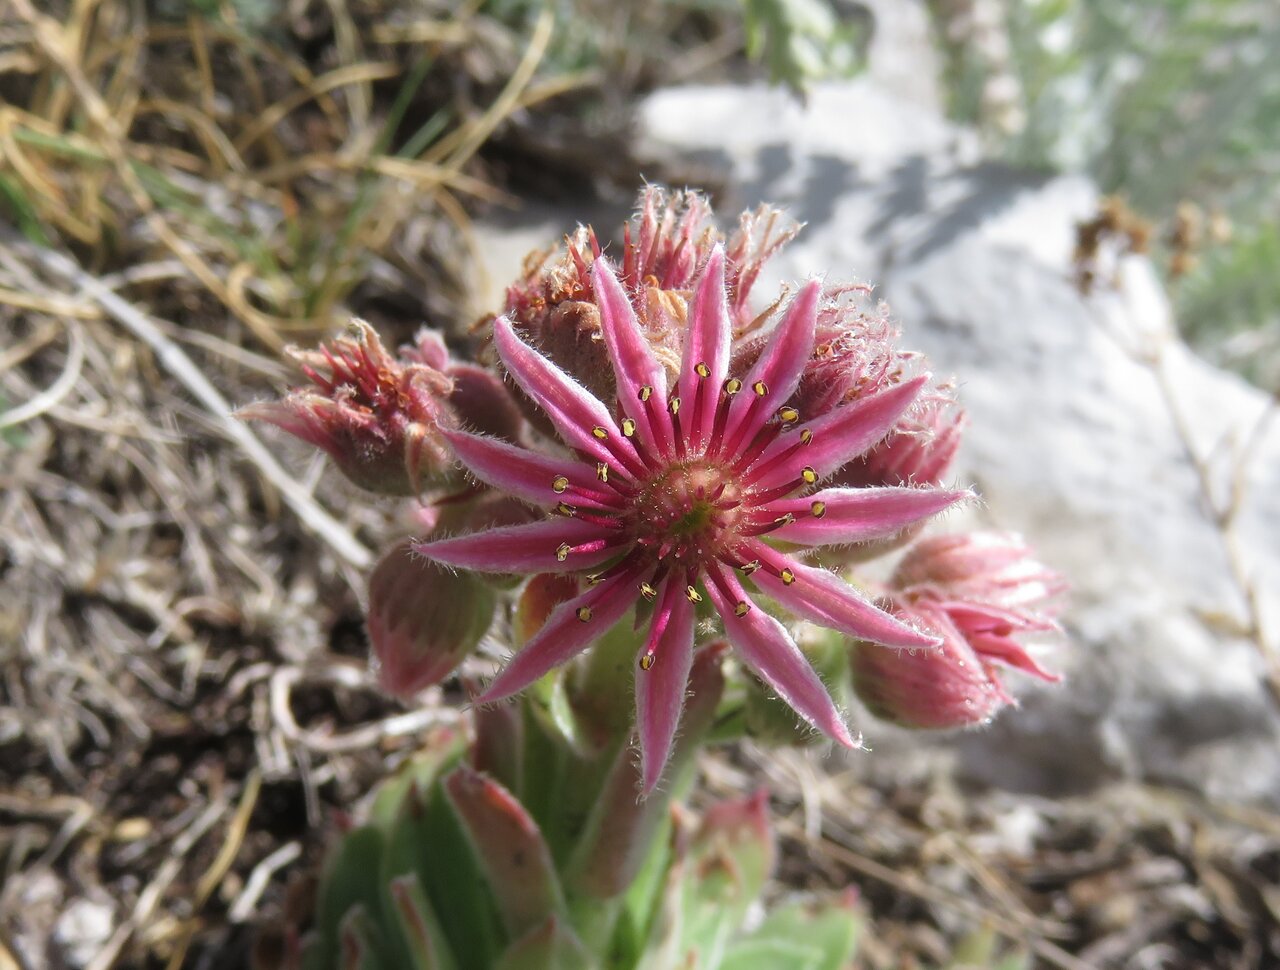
{"type": "Point", "coordinates": [532, 548]}
{"type": "Point", "coordinates": [838, 436]}
{"type": "Point", "coordinates": [778, 369]}
{"type": "Point", "coordinates": [973, 616]}
{"type": "Point", "coordinates": [529, 475]}
{"type": "Point", "coordinates": [633, 362]}
{"type": "Point", "coordinates": [822, 597]}
{"type": "Point", "coordinates": [1008, 651]}
{"type": "Point", "coordinates": [707, 342]}
{"type": "Point", "coordinates": [660, 689]}
{"type": "Point", "coordinates": [768, 649]}
{"type": "Point", "coordinates": [857, 514]}
{"type": "Point", "coordinates": [565, 634]}
{"type": "Point", "coordinates": [575, 412]}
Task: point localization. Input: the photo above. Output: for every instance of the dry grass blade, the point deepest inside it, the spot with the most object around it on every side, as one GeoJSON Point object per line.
{"type": "Point", "coordinates": [179, 364]}
{"type": "Point", "coordinates": [56, 391]}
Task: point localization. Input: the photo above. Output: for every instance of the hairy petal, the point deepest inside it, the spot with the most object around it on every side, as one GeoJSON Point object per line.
{"type": "Point", "coordinates": [1006, 650]}
{"type": "Point", "coordinates": [532, 548]}
{"type": "Point", "coordinates": [768, 649]}
{"type": "Point", "coordinates": [823, 597]}
{"type": "Point", "coordinates": [778, 369]}
{"type": "Point", "coordinates": [838, 436]}
{"type": "Point", "coordinates": [858, 514]}
{"type": "Point", "coordinates": [709, 337]}
{"type": "Point", "coordinates": [528, 475]}
{"type": "Point", "coordinates": [566, 634]}
{"type": "Point", "coordinates": [575, 412]}
{"type": "Point", "coordinates": [660, 689]}
{"type": "Point", "coordinates": [633, 362]}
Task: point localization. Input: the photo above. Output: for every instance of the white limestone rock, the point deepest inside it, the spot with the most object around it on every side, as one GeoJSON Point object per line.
{"type": "Point", "coordinates": [1071, 440]}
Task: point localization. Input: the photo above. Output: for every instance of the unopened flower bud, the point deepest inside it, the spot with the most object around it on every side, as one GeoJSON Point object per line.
{"type": "Point", "coordinates": [665, 248]}
{"type": "Point", "coordinates": [936, 688]}
{"type": "Point", "coordinates": [424, 620]}
{"type": "Point", "coordinates": [380, 417]}
{"type": "Point", "coordinates": [998, 568]}
{"type": "Point", "coordinates": [979, 593]}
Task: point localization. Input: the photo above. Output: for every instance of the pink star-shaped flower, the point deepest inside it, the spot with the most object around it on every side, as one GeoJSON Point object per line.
{"type": "Point", "coordinates": [688, 491]}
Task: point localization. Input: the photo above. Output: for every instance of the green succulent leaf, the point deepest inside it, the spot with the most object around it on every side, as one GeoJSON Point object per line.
{"type": "Point", "coordinates": [349, 881]}
{"type": "Point", "coordinates": [360, 944]}
{"type": "Point", "coordinates": [512, 854]}
{"type": "Point", "coordinates": [711, 885]}
{"type": "Point", "coordinates": [802, 935]}
{"type": "Point", "coordinates": [425, 944]}
{"type": "Point", "coordinates": [551, 946]}
{"type": "Point", "coordinates": [499, 745]}
{"type": "Point", "coordinates": [441, 750]}
{"type": "Point", "coordinates": [426, 842]}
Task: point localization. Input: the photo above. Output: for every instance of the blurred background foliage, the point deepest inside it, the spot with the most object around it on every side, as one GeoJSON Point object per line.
{"type": "Point", "coordinates": [289, 153]}
{"type": "Point", "coordinates": [1166, 103]}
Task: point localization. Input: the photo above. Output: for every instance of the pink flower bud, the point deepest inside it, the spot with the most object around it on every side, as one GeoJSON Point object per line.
{"type": "Point", "coordinates": [424, 620]}
{"type": "Point", "coordinates": [979, 593]}
{"type": "Point", "coordinates": [380, 417]}
{"type": "Point", "coordinates": [997, 568]}
{"type": "Point", "coordinates": [936, 688]}
{"type": "Point", "coordinates": [665, 248]}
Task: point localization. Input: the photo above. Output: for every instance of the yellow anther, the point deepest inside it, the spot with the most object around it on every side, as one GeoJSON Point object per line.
{"type": "Point", "coordinates": [584, 613]}
{"type": "Point", "coordinates": [595, 579]}
{"type": "Point", "coordinates": [693, 594]}
{"type": "Point", "coordinates": [559, 484]}
{"type": "Point", "coordinates": [646, 661]}
{"type": "Point", "coordinates": [788, 577]}
{"type": "Point", "coordinates": [784, 519]}
{"type": "Point", "coordinates": [788, 415]}
{"type": "Point", "coordinates": [701, 369]}
{"type": "Point", "coordinates": [562, 552]}
{"type": "Point", "coordinates": [600, 433]}
{"type": "Point", "coordinates": [648, 592]}
{"type": "Point", "coordinates": [564, 508]}
{"type": "Point", "coordinates": [628, 427]}
{"type": "Point", "coordinates": [806, 436]}
{"type": "Point", "coordinates": [646, 392]}
{"type": "Point", "coordinates": [748, 568]}
{"type": "Point", "coordinates": [602, 472]}
{"type": "Point", "coordinates": [742, 608]}
{"type": "Point", "coordinates": [761, 388]}
{"type": "Point", "coordinates": [818, 509]}
{"type": "Point", "coordinates": [809, 475]}
{"type": "Point", "coordinates": [732, 386]}
{"type": "Point", "coordinates": [675, 405]}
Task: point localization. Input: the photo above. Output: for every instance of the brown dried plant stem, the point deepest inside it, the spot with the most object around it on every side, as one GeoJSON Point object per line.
{"type": "Point", "coordinates": [1225, 513]}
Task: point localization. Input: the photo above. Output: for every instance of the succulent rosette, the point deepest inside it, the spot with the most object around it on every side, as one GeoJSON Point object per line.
{"type": "Point", "coordinates": [698, 492]}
